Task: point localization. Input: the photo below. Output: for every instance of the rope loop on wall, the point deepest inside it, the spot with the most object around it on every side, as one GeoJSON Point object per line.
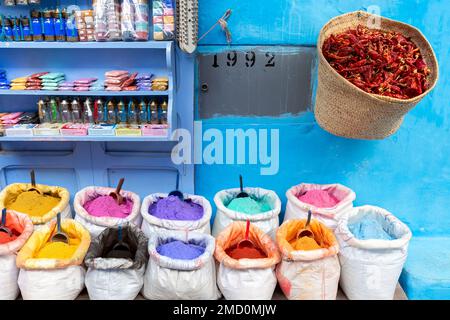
{"type": "Point", "coordinates": [223, 25]}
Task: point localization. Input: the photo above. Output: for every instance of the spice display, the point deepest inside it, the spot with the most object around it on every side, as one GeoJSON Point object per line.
{"type": "Point", "coordinates": [319, 198]}
{"type": "Point", "coordinates": [180, 250]}
{"type": "Point", "coordinates": [173, 208]}
{"type": "Point", "coordinates": [106, 206]}
{"type": "Point", "coordinates": [378, 62]}
{"type": "Point", "coordinates": [33, 203]}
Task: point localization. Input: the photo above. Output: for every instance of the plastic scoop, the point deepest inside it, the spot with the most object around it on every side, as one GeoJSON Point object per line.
{"type": "Point", "coordinates": [116, 194]}
{"type": "Point", "coordinates": [306, 231]}
{"type": "Point", "coordinates": [177, 192]}
{"type": "Point", "coordinates": [246, 242]}
{"type": "Point", "coordinates": [33, 183]}
{"type": "Point", "coordinates": [242, 194]}
{"type": "Point", "coordinates": [121, 250]}
{"type": "Point", "coordinates": [59, 236]}
{"type": "Point", "coordinates": [3, 227]}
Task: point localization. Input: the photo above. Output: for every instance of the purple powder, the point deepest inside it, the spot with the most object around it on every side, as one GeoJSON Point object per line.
{"type": "Point", "coordinates": [180, 250]}
{"type": "Point", "coordinates": [173, 208]}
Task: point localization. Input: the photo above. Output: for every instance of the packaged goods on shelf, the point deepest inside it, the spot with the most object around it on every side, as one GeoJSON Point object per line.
{"type": "Point", "coordinates": [163, 20]}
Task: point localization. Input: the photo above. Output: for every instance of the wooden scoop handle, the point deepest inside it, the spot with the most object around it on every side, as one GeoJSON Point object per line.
{"type": "Point", "coordinates": [119, 185]}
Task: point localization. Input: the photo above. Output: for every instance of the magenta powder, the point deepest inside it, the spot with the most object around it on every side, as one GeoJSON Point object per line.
{"type": "Point", "coordinates": [106, 206]}
{"type": "Point", "coordinates": [173, 208]}
{"type": "Point", "coordinates": [319, 198]}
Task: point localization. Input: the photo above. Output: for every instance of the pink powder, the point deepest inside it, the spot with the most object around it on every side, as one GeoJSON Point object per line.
{"type": "Point", "coordinates": [106, 206]}
{"type": "Point", "coordinates": [319, 198]}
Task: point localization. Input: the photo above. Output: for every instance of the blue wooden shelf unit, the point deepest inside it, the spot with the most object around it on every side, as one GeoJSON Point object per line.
{"type": "Point", "coordinates": [91, 59]}
{"type": "Point", "coordinates": [75, 162]}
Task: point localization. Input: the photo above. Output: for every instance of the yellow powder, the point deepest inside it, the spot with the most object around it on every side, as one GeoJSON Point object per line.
{"type": "Point", "coordinates": [33, 203]}
{"type": "Point", "coordinates": [58, 250]}
{"type": "Point", "coordinates": [304, 243]}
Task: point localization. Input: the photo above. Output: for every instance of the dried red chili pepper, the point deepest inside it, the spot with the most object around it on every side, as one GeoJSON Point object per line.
{"type": "Point", "coordinates": [378, 62]}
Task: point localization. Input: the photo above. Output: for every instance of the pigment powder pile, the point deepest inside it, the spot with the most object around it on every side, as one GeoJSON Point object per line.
{"type": "Point", "coordinates": [58, 250]}
{"type": "Point", "coordinates": [180, 250]}
{"type": "Point", "coordinates": [249, 205]}
{"type": "Point", "coordinates": [33, 203]}
{"type": "Point", "coordinates": [319, 198]}
{"type": "Point", "coordinates": [173, 208]}
{"type": "Point", "coordinates": [304, 243]}
{"type": "Point", "coordinates": [5, 238]}
{"type": "Point", "coordinates": [369, 227]}
{"type": "Point", "coordinates": [378, 62]}
{"type": "Point", "coordinates": [252, 252]}
{"type": "Point", "coordinates": [106, 206]}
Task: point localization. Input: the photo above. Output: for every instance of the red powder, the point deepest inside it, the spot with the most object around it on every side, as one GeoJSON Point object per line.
{"type": "Point", "coordinates": [4, 237]}
{"type": "Point", "coordinates": [245, 253]}
{"type": "Point", "coordinates": [319, 198]}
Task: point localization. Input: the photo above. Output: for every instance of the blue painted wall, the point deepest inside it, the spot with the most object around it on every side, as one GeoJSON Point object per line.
{"type": "Point", "coordinates": [408, 173]}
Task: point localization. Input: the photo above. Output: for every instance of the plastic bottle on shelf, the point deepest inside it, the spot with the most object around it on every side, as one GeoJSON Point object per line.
{"type": "Point", "coordinates": [9, 2]}
{"type": "Point", "coordinates": [142, 112]}
{"type": "Point", "coordinates": [49, 26]}
{"type": "Point", "coordinates": [17, 29]}
{"type": "Point", "coordinates": [99, 114]}
{"type": "Point", "coordinates": [7, 28]}
{"type": "Point", "coordinates": [36, 25]}
{"type": "Point", "coordinates": [121, 112]}
{"type": "Point", "coordinates": [111, 115]}
{"type": "Point", "coordinates": [59, 25]}
{"type": "Point", "coordinates": [71, 26]}
{"type": "Point", "coordinates": [44, 115]}
{"type": "Point", "coordinates": [56, 117]}
{"type": "Point", "coordinates": [163, 115]}
{"type": "Point", "coordinates": [88, 116]}
{"type": "Point", "coordinates": [132, 114]}
{"type": "Point", "coordinates": [76, 111]}
{"type": "Point", "coordinates": [26, 29]}
{"type": "Point", "coordinates": [66, 115]}
{"type": "Point", "coordinates": [153, 112]}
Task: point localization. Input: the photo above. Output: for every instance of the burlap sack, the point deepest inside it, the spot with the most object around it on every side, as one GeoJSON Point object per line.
{"type": "Point", "coordinates": [345, 110]}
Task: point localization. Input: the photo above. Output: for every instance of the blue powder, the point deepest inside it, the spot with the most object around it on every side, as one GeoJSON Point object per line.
{"type": "Point", "coordinates": [180, 250]}
{"type": "Point", "coordinates": [369, 228]}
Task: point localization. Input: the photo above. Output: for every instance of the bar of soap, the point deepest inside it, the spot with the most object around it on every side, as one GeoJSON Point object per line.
{"type": "Point", "coordinates": [47, 129]}
{"type": "Point", "coordinates": [128, 130]}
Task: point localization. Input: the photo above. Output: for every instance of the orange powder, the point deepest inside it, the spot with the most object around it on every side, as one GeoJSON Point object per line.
{"type": "Point", "coordinates": [304, 243]}
{"type": "Point", "coordinates": [245, 253]}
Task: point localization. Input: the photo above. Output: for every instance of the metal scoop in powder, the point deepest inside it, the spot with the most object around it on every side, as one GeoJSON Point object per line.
{"type": "Point", "coordinates": [246, 242]}
{"type": "Point", "coordinates": [121, 250]}
{"type": "Point", "coordinates": [306, 231]}
{"type": "Point", "coordinates": [33, 183]}
{"type": "Point", "coordinates": [242, 194]}
{"type": "Point", "coordinates": [59, 236]}
{"type": "Point", "coordinates": [3, 227]}
{"type": "Point", "coordinates": [177, 192]}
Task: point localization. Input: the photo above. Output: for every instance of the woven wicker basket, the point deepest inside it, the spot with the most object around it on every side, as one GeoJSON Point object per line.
{"type": "Point", "coordinates": [347, 111]}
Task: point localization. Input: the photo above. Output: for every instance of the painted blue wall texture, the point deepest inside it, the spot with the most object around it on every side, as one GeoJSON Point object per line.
{"type": "Point", "coordinates": [407, 173]}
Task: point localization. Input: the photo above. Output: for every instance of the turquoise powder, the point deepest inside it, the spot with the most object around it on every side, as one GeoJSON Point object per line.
{"type": "Point", "coordinates": [249, 205]}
